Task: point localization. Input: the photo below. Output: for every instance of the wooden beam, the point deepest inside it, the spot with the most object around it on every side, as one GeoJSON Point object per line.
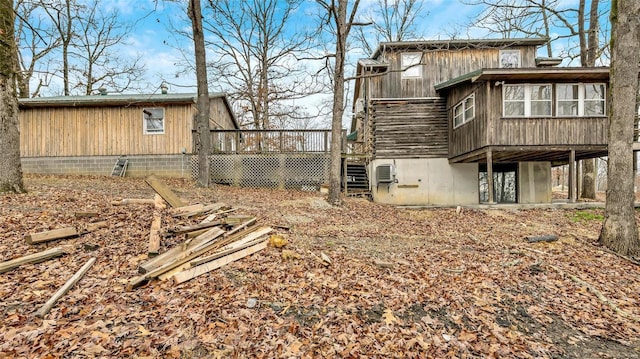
{"type": "Point", "coordinates": [164, 191]}
{"type": "Point", "coordinates": [191, 228]}
{"type": "Point", "coordinates": [208, 267]}
{"type": "Point", "coordinates": [31, 258]}
{"type": "Point", "coordinates": [490, 198]}
{"type": "Point", "coordinates": [46, 236]}
{"type": "Point", "coordinates": [572, 177]}
{"type": "Point", "coordinates": [65, 288]}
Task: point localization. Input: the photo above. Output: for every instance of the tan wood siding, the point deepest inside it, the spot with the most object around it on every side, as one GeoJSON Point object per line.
{"type": "Point", "coordinates": [439, 66]}
{"type": "Point", "coordinates": [97, 131]}
{"type": "Point", "coordinates": [414, 128]}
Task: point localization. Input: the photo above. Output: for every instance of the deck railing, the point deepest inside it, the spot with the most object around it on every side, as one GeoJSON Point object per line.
{"type": "Point", "coordinates": [271, 141]}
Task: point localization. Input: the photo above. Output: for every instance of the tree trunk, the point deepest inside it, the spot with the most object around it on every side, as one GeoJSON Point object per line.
{"type": "Point", "coordinates": [203, 140]}
{"type": "Point", "coordinates": [10, 168]}
{"type": "Point", "coordinates": [338, 103]}
{"type": "Point", "coordinates": [620, 230]}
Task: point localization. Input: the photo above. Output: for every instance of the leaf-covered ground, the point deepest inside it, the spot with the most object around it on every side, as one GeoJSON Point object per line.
{"type": "Point", "coordinates": [431, 283]}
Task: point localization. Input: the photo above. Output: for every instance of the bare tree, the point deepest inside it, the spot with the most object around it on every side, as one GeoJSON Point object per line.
{"type": "Point", "coordinates": [203, 136]}
{"type": "Point", "coordinates": [339, 19]}
{"type": "Point", "coordinates": [35, 40]}
{"type": "Point", "coordinates": [63, 15]}
{"type": "Point", "coordinates": [620, 230]}
{"type": "Point", "coordinates": [390, 20]}
{"type": "Point", "coordinates": [10, 168]}
{"type": "Point", "coordinates": [96, 62]}
{"type": "Point", "coordinates": [258, 52]}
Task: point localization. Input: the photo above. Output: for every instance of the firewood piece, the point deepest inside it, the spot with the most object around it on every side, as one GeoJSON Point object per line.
{"type": "Point", "coordinates": [65, 288]}
{"type": "Point", "coordinates": [167, 256]}
{"type": "Point", "coordinates": [192, 228]}
{"type": "Point", "coordinates": [181, 259]}
{"type": "Point", "coordinates": [46, 236]}
{"type": "Point", "coordinates": [132, 201]}
{"type": "Point", "coordinates": [154, 236]}
{"type": "Point", "coordinates": [31, 258]}
{"type": "Point", "coordinates": [382, 264]}
{"type": "Point", "coordinates": [546, 238]}
{"type": "Point", "coordinates": [208, 267]}
{"type": "Point", "coordinates": [164, 191]}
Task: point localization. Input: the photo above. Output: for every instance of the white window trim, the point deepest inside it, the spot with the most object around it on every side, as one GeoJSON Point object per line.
{"type": "Point", "coordinates": [144, 122]}
{"type": "Point", "coordinates": [462, 104]}
{"type": "Point", "coordinates": [582, 99]}
{"type": "Point", "coordinates": [409, 68]}
{"type": "Point", "coordinates": [527, 99]}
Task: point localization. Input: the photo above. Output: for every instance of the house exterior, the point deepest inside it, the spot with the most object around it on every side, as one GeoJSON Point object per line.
{"type": "Point", "coordinates": [87, 134]}
{"type": "Point", "coordinates": [461, 122]}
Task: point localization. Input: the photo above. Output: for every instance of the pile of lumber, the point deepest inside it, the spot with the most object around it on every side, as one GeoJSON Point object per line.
{"type": "Point", "coordinates": [216, 240]}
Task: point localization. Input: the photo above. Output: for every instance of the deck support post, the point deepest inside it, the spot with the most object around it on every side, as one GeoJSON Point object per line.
{"type": "Point", "coordinates": [573, 187]}
{"type": "Point", "coordinates": [490, 184]}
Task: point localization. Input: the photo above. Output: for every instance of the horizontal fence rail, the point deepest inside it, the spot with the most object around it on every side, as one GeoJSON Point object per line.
{"type": "Point", "coordinates": [270, 141]}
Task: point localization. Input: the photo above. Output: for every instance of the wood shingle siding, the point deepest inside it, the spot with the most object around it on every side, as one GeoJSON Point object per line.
{"type": "Point", "coordinates": [412, 128]}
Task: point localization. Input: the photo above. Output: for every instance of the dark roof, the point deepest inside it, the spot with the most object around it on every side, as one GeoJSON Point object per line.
{"type": "Point", "coordinates": [530, 74]}
{"type": "Point", "coordinates": [113, 100]}
{"type": "Point", "coordinates": [457, 44]}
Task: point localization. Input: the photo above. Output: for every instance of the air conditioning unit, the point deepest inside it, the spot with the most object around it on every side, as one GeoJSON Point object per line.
{"type": "Point", "coordinates": [385, 173]}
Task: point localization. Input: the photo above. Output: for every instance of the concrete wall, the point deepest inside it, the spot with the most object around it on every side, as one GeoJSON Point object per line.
{"type": "Point", "coordinates": [534, 182]}
{"type": "Point", "coordinates": [161, 165]}
{"type": "Point", "coordinates": [427, 182]}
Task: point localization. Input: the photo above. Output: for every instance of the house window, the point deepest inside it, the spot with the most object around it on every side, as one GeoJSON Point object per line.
{"type": "Point", "coordinates": [410, 65]}
{"type": "Point", "coordinates": [581, 99]}
{"type": "Point", "coordinates": [153, 120]}
{"type": "Point", "coordinates": [527, 100]}
{"type": "Point", "coordinates": [509, 59]}
{"type": "Point", "coordinates": [464, 111]}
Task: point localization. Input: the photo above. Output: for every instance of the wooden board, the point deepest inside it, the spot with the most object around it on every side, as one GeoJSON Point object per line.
{"type": "Point", "coordinates": [164, 191]}
{"type": "Point", "coordinates": [209, 266]}
{"type": "Point", "coordinates": [46, 236]}
{"type": "Point", "coordinates": [154, 236]}
{"type": "Point", "coordinates": [32, 258]}
{"type": "Point", "coordinates": [65, 288]}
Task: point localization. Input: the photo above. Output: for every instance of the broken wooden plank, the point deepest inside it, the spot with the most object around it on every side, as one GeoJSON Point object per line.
{"type": "Point", "coordinates": [234, 220]}
{"type": "Point", "coordinates": [164, 191]}
{"type": "Point", "coordinates": [208, 267]}
{"type": "Point", "coordinates": [46, 236]}
{"type": "Point", "coordinates": [246, 224]}
{"type": "Point", "coordinates": [192, 228]}
{"type": "Point", "coordinates": [31, 259]}
{"type": "Point", "coordinates": [154, 235]}
{"type": "Point", "coordinates": [159, 202]}
{"type": "Point", "coordinates": [65, 288]}
{"type": "Point", "coordinates": [201, 210]}
{"type": "Point", "coordinates": [126, 201]}
{"type": "Point", "coordinates": [180, 211]}
{"type": "Point", "coordinates": [235, 246]}
{"type": "Point", "coordinates": [545, 238]}
{"type": "Point", "coordinates": [165, 257]}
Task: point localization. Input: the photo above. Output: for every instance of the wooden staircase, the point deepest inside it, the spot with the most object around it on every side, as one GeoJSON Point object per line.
{"type": "Point", "coordinates": [357, 179]}
{"type": "Point", "coordinates": [120, 168]}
